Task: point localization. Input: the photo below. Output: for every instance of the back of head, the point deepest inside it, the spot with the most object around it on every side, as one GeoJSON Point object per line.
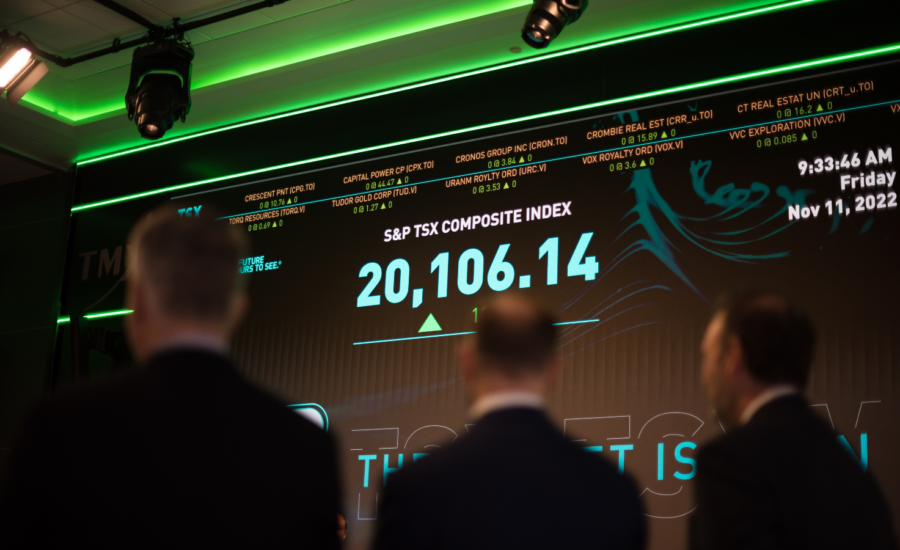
{"type": "Point", "coordinates": [776, 336]}
{"type": "Point", "coordinates": [515, 337]}
{"type": "Point", "coordinates": [188, 265]}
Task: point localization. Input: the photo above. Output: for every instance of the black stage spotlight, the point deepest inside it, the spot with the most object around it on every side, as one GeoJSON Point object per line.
{"type": "Point", "coordinates": [19, 69]}
{"type": "Point", "coordinates": [547, 19]}
{"type": "Point", "coordinates": [159, 90]}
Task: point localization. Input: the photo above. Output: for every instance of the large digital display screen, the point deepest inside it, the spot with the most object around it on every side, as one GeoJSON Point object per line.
{"type": "Point", "coordinates": [367, 274]}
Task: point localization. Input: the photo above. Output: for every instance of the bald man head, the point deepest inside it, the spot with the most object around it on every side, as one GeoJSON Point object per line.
{"type": "Point", "coordinates": [513, 349]}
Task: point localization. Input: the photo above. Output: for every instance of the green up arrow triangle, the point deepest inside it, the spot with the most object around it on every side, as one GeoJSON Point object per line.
{"type": "Point", "coordinates": [430, 325]}
{"type": "Point", "coordinates": [664, 136]}
{"type": "Point", "coordinates": [289, 201]}
{"type": "Point", "coordinates": [521, 160]}
{"type": "Point", "coordinates": [819, 110]}
{"type": "Point", "coordinates": [804, 138]}
{"type": "Point", "coordinates": [643, 164]}
{"type": "Point", "coordinates": [382, 206]}
{"type": "Point", "coordinates": [506, 186]}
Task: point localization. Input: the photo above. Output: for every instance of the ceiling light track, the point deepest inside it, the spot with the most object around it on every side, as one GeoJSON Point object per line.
{"type": "Point", "coordinates": [134, 16]}
{"type": "Point", "coordinates": [156, 32]}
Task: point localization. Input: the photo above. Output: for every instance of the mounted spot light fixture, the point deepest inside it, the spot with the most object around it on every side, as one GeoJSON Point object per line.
{"type": "Point", "coordinates": [547, 19]}
{"type": "Point", "coordinates": [19, 69]}
{"type": "Point", "coordinates": [159, 90]}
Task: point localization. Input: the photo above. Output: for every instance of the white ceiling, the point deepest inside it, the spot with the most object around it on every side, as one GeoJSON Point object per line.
{"type": "Point", "coordinates": [14, 169]}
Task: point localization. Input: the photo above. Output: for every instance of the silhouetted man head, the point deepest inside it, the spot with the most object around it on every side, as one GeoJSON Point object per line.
{"type": "Point", "coordinates": [512, 478]}
{"type": "Point", "coordinates": [183, 281]}
{"type": "Point", "coordinates": [514, 351]}
{"type": "Point", "coordinates": [757, 346]}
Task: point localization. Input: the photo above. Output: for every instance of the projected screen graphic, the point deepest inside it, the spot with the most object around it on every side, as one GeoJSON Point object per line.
{"type": "Point", "coordinates": [367, 274]}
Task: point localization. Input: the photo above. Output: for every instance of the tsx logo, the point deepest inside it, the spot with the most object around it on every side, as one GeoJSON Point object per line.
{"type": "Point", "coordinates": [190, 212]}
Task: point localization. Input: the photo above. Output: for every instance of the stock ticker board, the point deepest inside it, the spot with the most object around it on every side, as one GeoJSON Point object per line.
{"type": "Point", "coordinates": [367, 275]}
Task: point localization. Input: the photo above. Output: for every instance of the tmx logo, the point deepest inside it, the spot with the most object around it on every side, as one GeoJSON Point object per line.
{"type": "Point", "coordinates": [112, 263]}
{"type": "Point", "coordinates": [190, 212]}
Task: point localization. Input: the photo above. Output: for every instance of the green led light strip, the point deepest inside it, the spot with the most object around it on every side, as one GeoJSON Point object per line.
{"type": "Point", "coordinates": [580, 49]}
{"type": "Point", "coordinates": [115, 313]}
{"type": "Point", "coordinates": [696, 86]}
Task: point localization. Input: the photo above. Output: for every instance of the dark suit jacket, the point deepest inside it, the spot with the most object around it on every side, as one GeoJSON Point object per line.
{"type": "Point", "coordinates": [181, 453]}
{"type": "Point", "coordinates": [515, 482]}
{"type": "Point", "coordinates": [783, 481]}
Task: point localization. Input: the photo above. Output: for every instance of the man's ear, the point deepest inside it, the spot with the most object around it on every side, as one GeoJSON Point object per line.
{"type": "Point", "coordinates": [135, 324]}
{"type": "Point", "coordinates": [733, 358]}
{"type": "Point", "coordinates": [136, 300]}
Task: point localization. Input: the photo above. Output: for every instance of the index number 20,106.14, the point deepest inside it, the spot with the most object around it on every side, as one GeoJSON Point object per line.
{"type": "Point", "coordinates": [470, 273]}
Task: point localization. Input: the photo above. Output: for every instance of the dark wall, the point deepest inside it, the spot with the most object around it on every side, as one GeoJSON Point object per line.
{"type": "Point", "coordinates": [33, 233]}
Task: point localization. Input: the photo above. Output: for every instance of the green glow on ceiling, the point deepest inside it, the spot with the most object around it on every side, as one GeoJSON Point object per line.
{"type": "Point", "coordinates": [431, 82]}
{"type": "Point", "coordinates": [688, 87]}
{"type": "Point", "coordinates": [70, 111]}
{"type": "Point", "coordinates": [43, 102]}
{"type": "Point", "coordinates": [451, 13]}
{"type": "Point", "coordinates": [77, 109]}
{"type": "Point", "coordinates": [100, 315]}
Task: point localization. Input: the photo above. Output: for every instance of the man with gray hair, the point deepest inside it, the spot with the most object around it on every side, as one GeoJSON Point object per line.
{"type": "Point", "coordinates": [182, 452]}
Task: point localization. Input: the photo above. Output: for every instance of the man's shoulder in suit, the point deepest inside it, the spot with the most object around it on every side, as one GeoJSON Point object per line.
{"type": "Point", "coordinates": [514, 481]}
{"type": "Point", "coordinates": [789, 472]}
{"type": "Point", "coordinates": [171, 389]}
{"type": "Point", "coordinates": [785, 427]}
{"type": "Point", "coordinates": [525, 434]}
{"type": "Point", "coordinates": [183, 437]}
